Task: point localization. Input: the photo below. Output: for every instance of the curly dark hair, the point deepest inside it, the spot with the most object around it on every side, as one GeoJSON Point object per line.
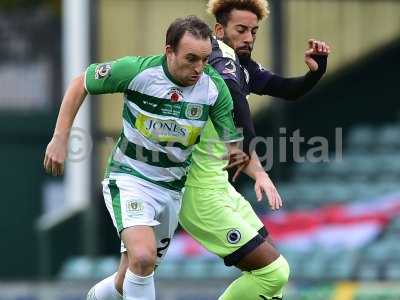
{"type": "Point", "coordinates": [221, 9]}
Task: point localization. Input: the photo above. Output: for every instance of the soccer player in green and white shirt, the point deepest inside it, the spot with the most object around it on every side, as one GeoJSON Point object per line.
{"type": "Point", "coordinates": [167, 101]}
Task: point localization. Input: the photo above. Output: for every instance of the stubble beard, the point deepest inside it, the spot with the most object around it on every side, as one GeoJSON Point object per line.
{"type": "Point", "coordinates": [243, 57]}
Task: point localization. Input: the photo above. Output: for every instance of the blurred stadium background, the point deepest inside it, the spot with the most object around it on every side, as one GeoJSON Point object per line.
{"type": "Point", "coordinates": [340, 228]}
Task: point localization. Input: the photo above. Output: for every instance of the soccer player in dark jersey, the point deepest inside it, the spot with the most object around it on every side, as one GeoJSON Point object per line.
{"type": "Point", "coordinates": [236, 27]}
{"type": "Point", "coordinates": [217, 216]}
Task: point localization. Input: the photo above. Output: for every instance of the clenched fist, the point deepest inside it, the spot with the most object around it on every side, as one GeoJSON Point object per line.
{"type": "Point", "coordinates": [315, 48]}
{"type": "Point", "coordinates": [56, 154]}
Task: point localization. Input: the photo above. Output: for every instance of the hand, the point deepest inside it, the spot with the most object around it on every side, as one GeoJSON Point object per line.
{"type": "Point", "coordinates": [56, 153]}
{"type": "Point", "coordinates": [315, 48]}
{"type": "Point", "coordinates": [239, 170]}
{"type": "Point", "coordinates": [264, 184]}
{"type": "Point", "coordinates": [237, 158]}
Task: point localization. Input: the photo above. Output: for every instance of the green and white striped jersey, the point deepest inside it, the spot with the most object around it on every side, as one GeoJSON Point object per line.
{"type": "Point", "coordinates": [162, 121]}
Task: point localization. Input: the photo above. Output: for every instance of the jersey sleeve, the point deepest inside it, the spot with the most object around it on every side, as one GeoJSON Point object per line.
{"type": "Point", "coordinates": [111, 77]}
{"type": "Point", "coordinates": [259, 77]}
{"type": "Point", "coordinates": [242, 115]}
{"type": "Point", "coordinates": [231, 73]}
{"type": "Point", "coordinates": [266, 83]}
{"type": "Point", "coordinates": [221, 114]}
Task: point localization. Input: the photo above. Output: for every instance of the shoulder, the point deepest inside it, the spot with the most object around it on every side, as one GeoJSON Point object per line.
{"type": "Point", "coordinates": [141, 62]}
{"type": "Point", "coordinates": [222, 52]}
{"type": "Point", "coordinates": [224, 60]}
{"type": "Point", "coordinates": [127, 65]}
{"type": "Point", "coordinates": [214, 76]}
{"type": "Point", "coordinates": [253, 66]}
{"type": "Point", "coordinates": [220, 49]}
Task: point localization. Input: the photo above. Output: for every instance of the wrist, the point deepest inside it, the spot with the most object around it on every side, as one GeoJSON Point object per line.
{"type": "Point", "coordinates": [261, 175]}
{"type": "Point", "coordinates": [322, 61]}
{"type": "Point", "coordinates": [61, 134]}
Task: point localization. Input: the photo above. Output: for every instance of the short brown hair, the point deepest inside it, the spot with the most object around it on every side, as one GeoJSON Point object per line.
{"type": "Point", "coordinates": [191, 24]}
{"type": "Point", "coordinates": [221, 9]}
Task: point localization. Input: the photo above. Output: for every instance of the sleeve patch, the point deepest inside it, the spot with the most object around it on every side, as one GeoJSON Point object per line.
{"type": "Point", "coordinates": [102, 71]}
{"type": "Point", "coordinates": [230, 68]}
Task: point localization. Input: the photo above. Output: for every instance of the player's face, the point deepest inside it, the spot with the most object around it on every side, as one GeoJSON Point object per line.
{"type": "Point", "coordinates": [240, 32]}
{"type": "Point", "coordinates": [187, 63]}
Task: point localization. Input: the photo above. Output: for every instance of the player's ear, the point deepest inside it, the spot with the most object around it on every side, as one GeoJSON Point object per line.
{"type": "Point", "coordinates": [168, 50]}
{"type": "Point", "coordinates": [219, 31]}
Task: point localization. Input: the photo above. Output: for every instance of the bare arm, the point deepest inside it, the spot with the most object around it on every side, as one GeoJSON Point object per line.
{"type": "Point", "coordinates": [56, 151]}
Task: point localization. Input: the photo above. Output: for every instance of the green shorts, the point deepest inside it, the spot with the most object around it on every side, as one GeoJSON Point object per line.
{"type": "Point", "coordinates": [222, 221]}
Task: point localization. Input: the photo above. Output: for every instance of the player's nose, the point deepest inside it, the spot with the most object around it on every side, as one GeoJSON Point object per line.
{"type": "Point", "coordinates": [248, 38]}
{"type": "Point", "coordinates": [199, 67]}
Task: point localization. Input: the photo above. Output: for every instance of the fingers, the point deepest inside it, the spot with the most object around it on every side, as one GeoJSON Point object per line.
{"type": "Point", "coordinates": [320, 45]}
{"type": "Point", "coordinates": [309, 52]}
{"type": "Point", "coordinates": [233, 156]}
{"type": "Point", "coordinates": [274, 199]}
{"type": "Point", "coordinates": [57, 169]}
{"type": "Point", "coordinates": [317, 47]}
{"type": "Point", "coordinates": [238, 171]}
{"type": "Point", "coordinates": [236, 162]}
{"type": "Point", "coordinates": [47, 164]}
{"type": "Point", "coordinates": [56, 153]}
{"type": "Point", "coordinates": [53, 167]}
{"type": "Point", "coordinates": [231, 152]}
{"type": "Point", "coordinates": [236, 159]}
{"type": "Point", "coordinates": [278, 203]}
{"type": "Point", "coordinates": [257, 189]}
{"type": "Point", "coordinates": [45, 161]}
{"type": "Point", "coordinates": [61, 170]}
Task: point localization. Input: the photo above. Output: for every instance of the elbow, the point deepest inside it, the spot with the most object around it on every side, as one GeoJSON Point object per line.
{"type": "Point", "coordinates": [78, 83]}
{"type": "Point", "coordinates": [296, 95]}
{"type": "Point", "coordinates": [79, 80]}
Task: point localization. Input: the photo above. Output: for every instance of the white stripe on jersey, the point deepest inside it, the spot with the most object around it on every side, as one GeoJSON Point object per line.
{"type": "Point", "coordinates": [153, 172]}
{"type": "Point", "coordinates": [194, 94]}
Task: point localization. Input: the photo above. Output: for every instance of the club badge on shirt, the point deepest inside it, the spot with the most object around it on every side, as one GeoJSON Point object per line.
{"type": "Point", "coordinates": [102, 71]}
{"type": "Point", "coordinates": [194, 111]}
{"type": "Point", "coordinates": [175, 94]}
